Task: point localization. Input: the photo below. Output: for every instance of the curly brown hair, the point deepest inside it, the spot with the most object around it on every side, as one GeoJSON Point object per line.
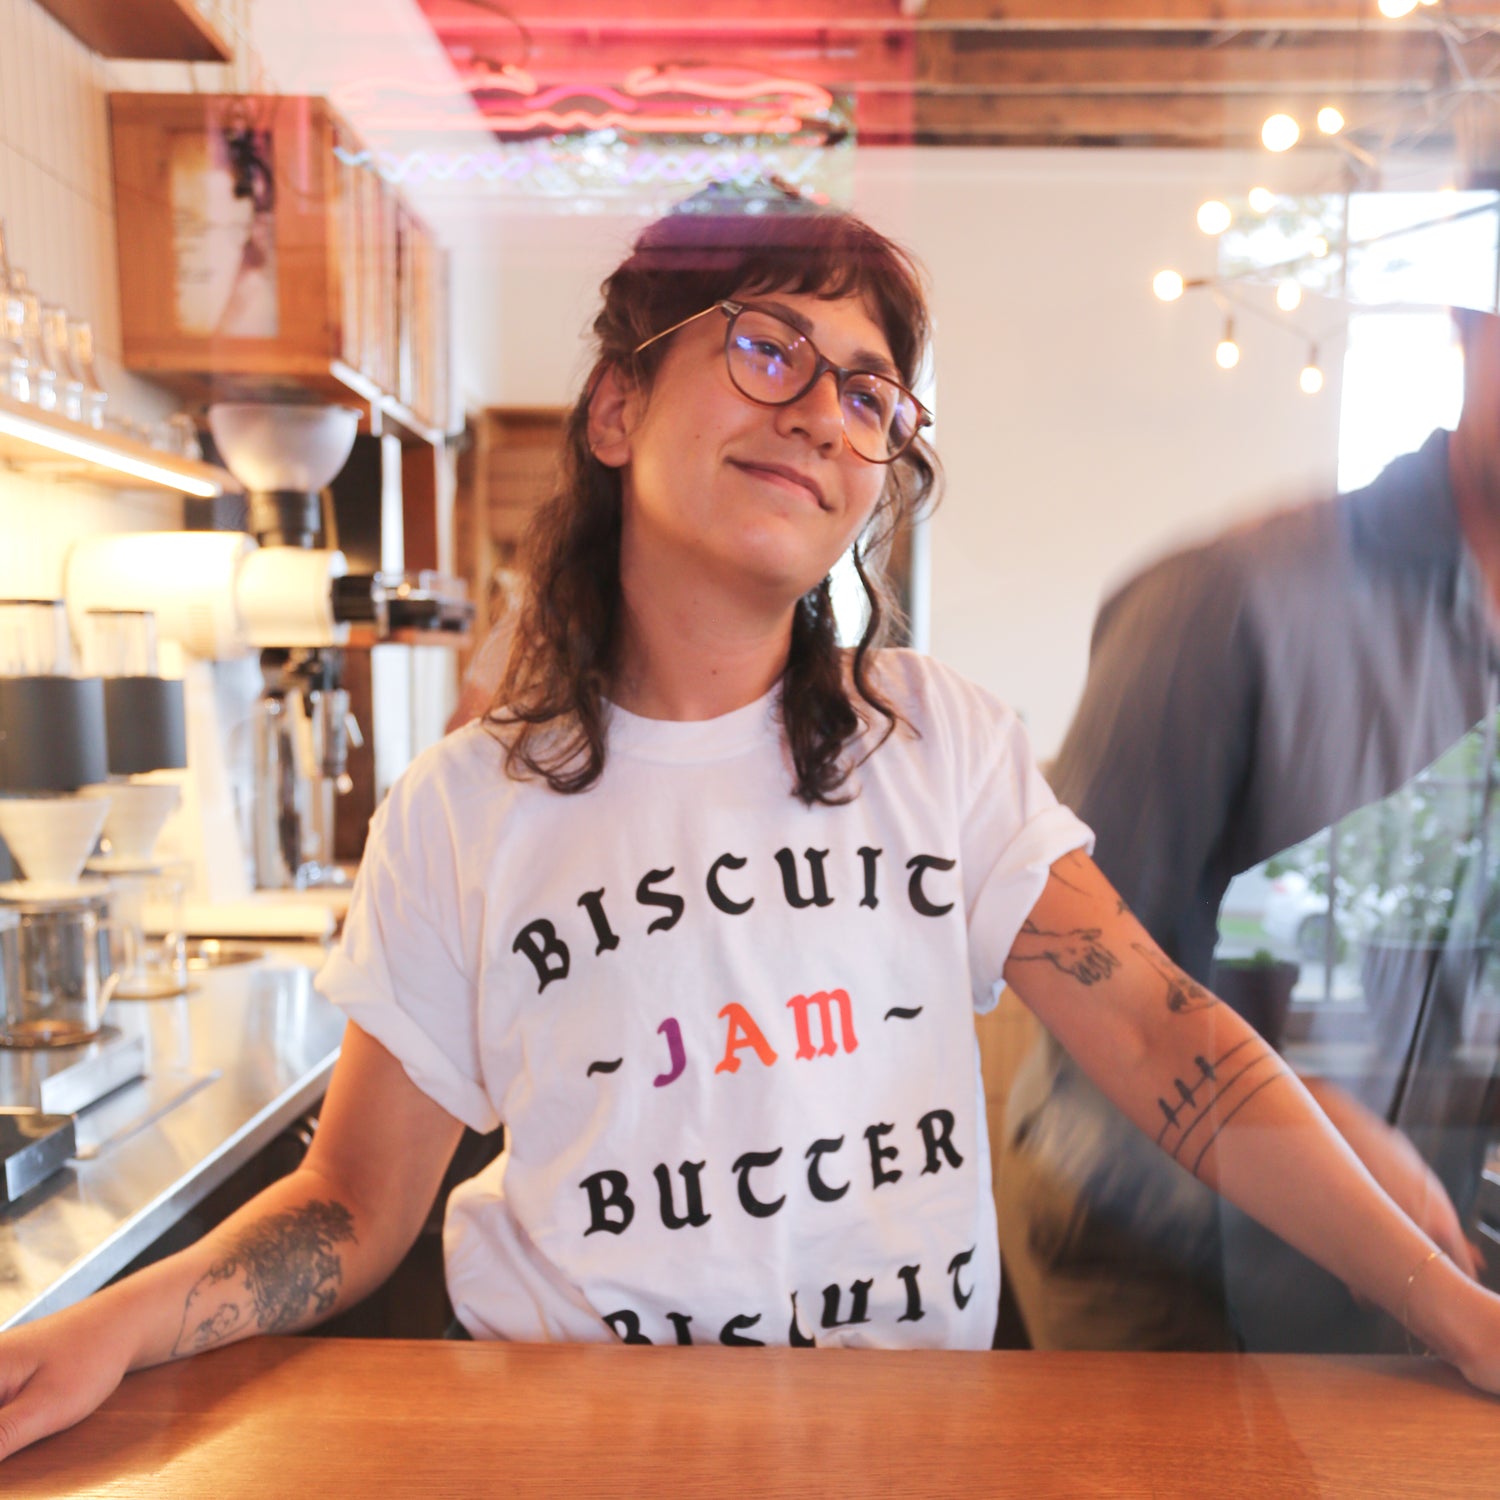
{"type": "Point", "coordinates": [551, 709]}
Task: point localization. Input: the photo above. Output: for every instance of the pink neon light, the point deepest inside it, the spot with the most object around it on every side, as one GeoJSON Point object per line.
{"type": "Point", "coordinates": [791, 104]}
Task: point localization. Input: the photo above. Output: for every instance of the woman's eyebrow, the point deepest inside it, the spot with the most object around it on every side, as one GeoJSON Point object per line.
{"type": "Point", "coordinates": [862, 359]}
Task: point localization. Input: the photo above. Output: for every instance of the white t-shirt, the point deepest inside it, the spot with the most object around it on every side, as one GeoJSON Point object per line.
{"type": "Point", "coordinates": [729, 1035]}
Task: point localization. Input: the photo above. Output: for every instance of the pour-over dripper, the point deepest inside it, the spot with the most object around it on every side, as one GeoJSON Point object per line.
{"type": "Point", "coordinates": [51, 837]}
{"type": "Point", "coordinates": [137, 811]}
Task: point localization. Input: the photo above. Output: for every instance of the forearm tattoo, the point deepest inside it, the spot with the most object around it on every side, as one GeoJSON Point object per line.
{"type": "Point", "coordinates": [1079, 953]}
{"type": "Point", "coordinates": [277, 1274]}
{"type": "Point", "coordinates": [1184, 995]}
{"type": "Point", "coordinates": [1201, 1107]}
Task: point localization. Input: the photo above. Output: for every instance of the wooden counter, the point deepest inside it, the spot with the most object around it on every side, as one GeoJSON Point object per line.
{"type": "Point", "coordinates": [334, 1418]}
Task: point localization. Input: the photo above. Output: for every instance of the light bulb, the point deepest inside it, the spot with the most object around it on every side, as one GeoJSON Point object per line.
{"type": "Point", "coordinates": [1227, 355]}
{"type": "Point", "coordinates": [1395, 9]}
{"type": "Point", "coordinates": [1288, 296]}
{"type": "Point", "coordinates": [1330, 121]}
{"type": "Point", "coordinates": [1262, 200]}
{"type": "Point", "coordinates": [1311, 380]}
{"type": "Point", "coordinates": [1214, 217]}
{"type": "Point", "coordinates": [1320, 247]}
{"type": "Point", "coordinates": [1167, 285]}
{"type": "Point", "coordinates": [1280, 133]}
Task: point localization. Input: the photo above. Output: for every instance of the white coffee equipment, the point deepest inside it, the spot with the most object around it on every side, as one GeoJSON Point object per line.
{"type": "Point", "coordinates": [221, 600]}
{"type": "Point", "coordinates": [59, 1053]}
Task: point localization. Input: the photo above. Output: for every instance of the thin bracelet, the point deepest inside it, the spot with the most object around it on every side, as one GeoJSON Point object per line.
{"type": "Point", "coordinates": [1417, 1270]}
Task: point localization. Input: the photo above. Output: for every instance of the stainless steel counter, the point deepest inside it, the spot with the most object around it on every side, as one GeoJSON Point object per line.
{"type": "Point", "coordinates": [229, 1065]}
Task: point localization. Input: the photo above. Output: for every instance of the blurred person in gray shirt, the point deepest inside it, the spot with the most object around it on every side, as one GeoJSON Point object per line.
{"type": "Point", "coordinates": [1243, 695]}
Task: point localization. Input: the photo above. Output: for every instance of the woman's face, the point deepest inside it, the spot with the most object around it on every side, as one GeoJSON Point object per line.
{"type": "Point", "coordinates": [720, 492]}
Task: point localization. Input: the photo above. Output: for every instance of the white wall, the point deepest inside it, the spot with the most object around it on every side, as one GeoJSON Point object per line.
{"type": "Point", "coordinates": [57, 203]}
{"type": "Point", "coordinates": [1082, 424]}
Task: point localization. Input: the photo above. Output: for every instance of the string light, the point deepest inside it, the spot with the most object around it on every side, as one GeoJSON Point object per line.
{"type": "Point", "coordinates": [1227, 355]}
{"type": "Point", "coordinates": [1330, 120]}
{"type": "Point", "coordinates": [1320, 247]}
{"type": "Point", "coordinates": [1168, 285]}
{"type": "Point", "coordinates": [1262, 200]}
{"type": "Point", "coordinates": [1214, 217]}
{"type": "Point", "coordinates": [1280, 133]}
{"type": "Point", "coordinates": [1311, 379]}
{"type": "Point", "coordinates": [1395, 9]}
{"type": "Point", "coordinates": [1288, 295]}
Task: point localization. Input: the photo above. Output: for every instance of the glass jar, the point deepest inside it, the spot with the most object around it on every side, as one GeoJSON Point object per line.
{"type": "Point", "coordinates": [34, 638]}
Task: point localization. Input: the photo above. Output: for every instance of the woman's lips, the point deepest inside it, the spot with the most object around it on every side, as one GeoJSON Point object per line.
{"type": "Point", "coordinates": [784, 474]}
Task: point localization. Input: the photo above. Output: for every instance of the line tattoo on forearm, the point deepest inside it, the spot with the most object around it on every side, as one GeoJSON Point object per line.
{"type": "Point", "coordinates": [1184, 995]}
{"type": "Point", "coordinates": [277, 1274]}
{"type": "Point", "coordinates": [1078, 953]}
{"type": "Point", "coordinates": [1218, 1091]}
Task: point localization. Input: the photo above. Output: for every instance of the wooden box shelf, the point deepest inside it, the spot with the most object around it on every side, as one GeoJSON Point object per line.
{"type": "Point", "coordinates": [262, 255]}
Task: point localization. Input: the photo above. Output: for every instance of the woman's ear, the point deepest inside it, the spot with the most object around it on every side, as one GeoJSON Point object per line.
{"type": "Point", "coordinates": [612, 419]}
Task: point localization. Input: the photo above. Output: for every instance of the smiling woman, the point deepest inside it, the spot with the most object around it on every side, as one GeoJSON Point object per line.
{"type": "Point", "coordinates": [703, 911]}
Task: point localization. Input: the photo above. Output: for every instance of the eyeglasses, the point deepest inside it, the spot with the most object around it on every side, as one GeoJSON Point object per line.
{"type": "Point", "coordinates": [773, 363]}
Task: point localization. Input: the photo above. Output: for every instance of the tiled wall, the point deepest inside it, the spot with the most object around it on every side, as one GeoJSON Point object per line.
{"type": "Point", "coordinates": [57, 202]}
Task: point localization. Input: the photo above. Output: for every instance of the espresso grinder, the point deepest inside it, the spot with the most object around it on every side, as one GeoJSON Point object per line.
{"type": "Point", "coordinates": [254, 620]}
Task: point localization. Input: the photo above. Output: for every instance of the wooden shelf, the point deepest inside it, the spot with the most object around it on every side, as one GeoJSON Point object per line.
{"type": "Point", "coordinates": [46, 444]}
{"type": "Point", "coordinates": [142, 30]}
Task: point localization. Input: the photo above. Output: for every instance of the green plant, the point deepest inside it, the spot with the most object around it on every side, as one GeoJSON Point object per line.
{"type": "Point", "coordinates": [1422, 865]}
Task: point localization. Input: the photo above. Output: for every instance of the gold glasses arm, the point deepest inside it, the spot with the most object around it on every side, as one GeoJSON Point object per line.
{"type": "Point", "coordinates": [729, 309]}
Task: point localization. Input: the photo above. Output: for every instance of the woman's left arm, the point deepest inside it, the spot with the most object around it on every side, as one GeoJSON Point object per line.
{"type": "Point", "coordinates": [1217, 1099]}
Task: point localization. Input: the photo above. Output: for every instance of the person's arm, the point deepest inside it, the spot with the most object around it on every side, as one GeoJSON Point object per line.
{"type": "Point", "coordinates": [307, 1247]}
{"type": "Point", "coordinates": [1214, 1096]}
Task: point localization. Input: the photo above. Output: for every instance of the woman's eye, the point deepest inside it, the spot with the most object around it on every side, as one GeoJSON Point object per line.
{"type": "Point", "coordinates": [869, 402]}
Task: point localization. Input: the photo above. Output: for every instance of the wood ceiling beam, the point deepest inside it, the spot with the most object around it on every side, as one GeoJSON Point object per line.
{"type": "Point", "coordinates": [601, 18]}
{"type": "Point", "coordinates": [1151, 120]}
{"type": "Point", "coordinates": [1373, 64]}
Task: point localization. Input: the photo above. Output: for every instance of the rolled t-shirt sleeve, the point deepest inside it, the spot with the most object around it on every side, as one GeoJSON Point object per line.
{"type": "Point", "coordinates": [1013, 832]}
{"type": "Point", "coordinates": [400, 971]}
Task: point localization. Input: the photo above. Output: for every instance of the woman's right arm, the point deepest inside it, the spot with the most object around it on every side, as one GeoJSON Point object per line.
{"type": "Point", "coordinates": [307, 1247]}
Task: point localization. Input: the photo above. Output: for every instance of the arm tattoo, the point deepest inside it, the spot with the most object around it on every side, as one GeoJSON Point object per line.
{"type": "Point", "coordinates": [1078, 953]}
{"type": "Point", "coordinates": [278, 1273]}
{"type": "Point", "coordinates": [1183, 994]}
{"type": "Point", "coordinates": [1218, 1091]}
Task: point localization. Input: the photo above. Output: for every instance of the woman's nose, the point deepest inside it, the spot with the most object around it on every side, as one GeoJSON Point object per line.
{"type": "Point", "coordinates": [816, 412]}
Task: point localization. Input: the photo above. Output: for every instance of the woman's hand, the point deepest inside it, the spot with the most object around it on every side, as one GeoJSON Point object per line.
{"type": "Point", "coordinates": [54, 1372]}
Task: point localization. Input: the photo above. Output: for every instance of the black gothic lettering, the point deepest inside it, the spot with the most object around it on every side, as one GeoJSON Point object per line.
{"type": "Point", "coordinates": [859, 1304]}
{"type": "Point", "coordinates": [627, 1325]}
{"type": "Point", "coordinates": [795, 1336]}
{"type": "Point", "coordinates": [693, 1191]}
{"type": "Point", "coordinates": [744, 1166]}
{"type": "Point", "coordinates": [820, 1189]}
{"type": "Point", "coordinates": [959, 1261]}
{"type": "Point", "coordinates": [730, 1333]}
{"type": "Point", "coordinates": [716, 894]}
{"type": "Point", "coordinates": [593, 903]}
{"type": "Point", "coordinates": [868, 857]}
{"type": "Point", "coordinates": [680, 1322]}
{"type": "Point", "coordinates": [794, 897]}
{"type": "Point", "coordinates": [879, 1154]}
{"type": "Point", "coordinates": [601, 1201]}
{"type": "Point", "coordinates": [913, 1313]}
{"type": "Point", "coordinates": [919, 866]}
{"type": "Point", "coordinates": [937, 1135]}
{"type": "Point", "coordinates": [668, 900]}
{"type": "Point", "coordinates": [548, 953]}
